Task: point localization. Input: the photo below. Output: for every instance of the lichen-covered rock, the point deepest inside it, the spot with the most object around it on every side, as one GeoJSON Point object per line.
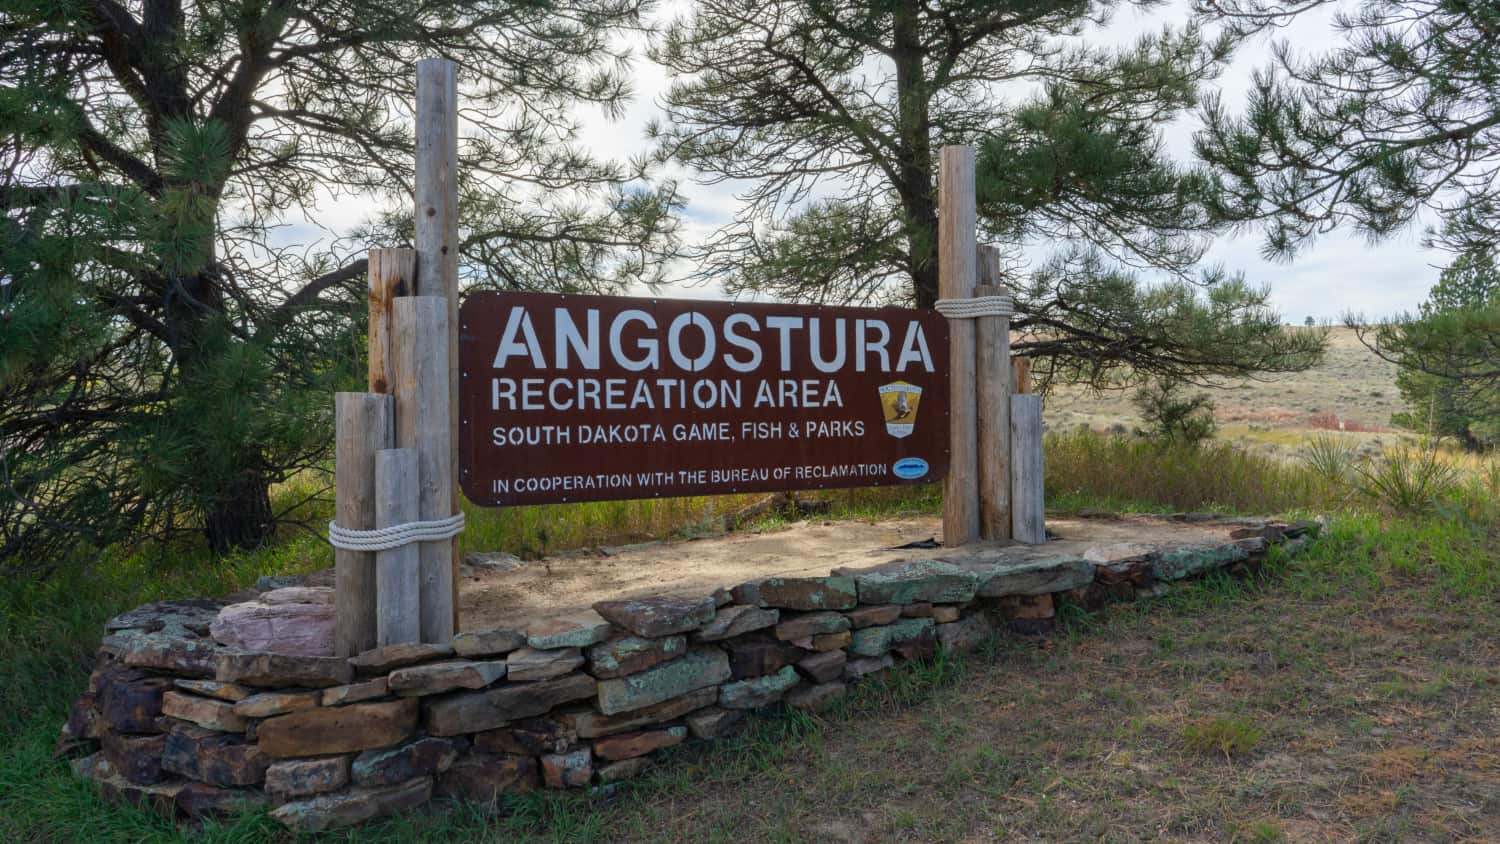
{"type": "Point", "coordinates": [268, 670]}
{"type": "Point", "coordinates": [591, 724]}
{"type": "Point", "coordinates": [618, 656]}
{"type": "Point", "coordinates": [631, 745]}
{"type": "Point", "coordinates": [698, 669]}
{"type": "Point", "coordinates": [529, 664]}
{"type": "Point", "coordinates": [205, 712]}
{"type": "Point", "coordinates": [303, 777]}
{"type": "Point", "coordinates": [338, 729]}
{"type": "Point", "coordinates": [823, 667]}
{"type": "Point", "coordinates": [759, 691]}
{"type": "Point", "coordinates": [420, 758]}
{"type": "Point", "coordinates": [876, 641]}
{"type": "Point", "coordinates": [714, 723]}
{"type": "Point", "coordinates": [437, 677]}
{"type": "Point", "coordinates": [1034, 577]}
{"type": "Point", "coordinates": [871, 616]}
{"type": "Point", "coordinates": [576, 630]}
{"type": "Point", "coordinates": [915, 581]}
{"type": "Point", "coordinates": [270, 704]}
{"type": "Point", "coordinates": [815, 698]}
{"type": "Point", "coordinates": [856, 669]}
{"type": "Point", "coordinates": [567, 770]}
{"type": "Point", "coordinates": [217, 758]}
{"type": "Point", "coordinates": [484, 777]}
{"type": "Point", "coordinates": [356, 692]}
{"type": "Point", "coordinates": [737, 620]}
{"type": "Point", "coordinates": [799, 593]}
{"type": "Point", "coordinates": [811, 624]}
{"type": "Point", "coordinates": [303, 629]}
{"type": "Point", "coordinates": [658, 615]}
{"type": "Point", "coordinates": [162, 652]}
{"type": "Point", "coordinates": [187, 618]}
{"type": "Point", "coordinates": [390, 657]}
{"type": "Point", "coordinates": [473, 712]}
{"type": "Point", "coordinates": [474, 643]}
{"type": "Point", "coordinates": [357, 805]}
{"type": "Point", "coordinates": [213, 688]}
{"type": "Point", "coordinates": [1179, 563]}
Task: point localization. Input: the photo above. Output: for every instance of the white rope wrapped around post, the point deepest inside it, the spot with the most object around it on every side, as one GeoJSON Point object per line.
{"type": "Point", "coordinates": [974, 308]}
{"type": "Point", "coordinates": [395, 536]}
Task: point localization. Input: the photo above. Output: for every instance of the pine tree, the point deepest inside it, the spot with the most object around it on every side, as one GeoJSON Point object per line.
{"type": "Point", "coordinates": [828, 115]}
{"type": "Point", "coordinates": [167, 351]}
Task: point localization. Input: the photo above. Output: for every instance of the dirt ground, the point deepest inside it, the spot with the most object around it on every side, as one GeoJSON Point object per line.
{"type": "Point", "coordinates": [494, 598]}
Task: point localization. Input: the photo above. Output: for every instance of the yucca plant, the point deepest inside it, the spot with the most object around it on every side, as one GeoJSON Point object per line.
{"type": "Point", "coordinates": [1408, 482]}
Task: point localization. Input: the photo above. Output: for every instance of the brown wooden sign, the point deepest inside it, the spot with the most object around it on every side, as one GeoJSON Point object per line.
{"type": "Point", "coordinates": [589, 398]}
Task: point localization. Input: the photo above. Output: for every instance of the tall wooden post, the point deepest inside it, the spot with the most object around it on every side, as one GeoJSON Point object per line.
{"type": "Point", "coordinates": [993, 383]}
{"type": "Point", "coordinates": [398, 603]}
{"type": "Point", "coordinates": [392, 273]}
{"type": "Point", "coordinates": [956, 280]}
{"type": "Point", "coordinates": [437, 234]}
{"type": "Point", "coordinates": [423, 423]}
{"type": "Point", "coordinates": [362, 426]}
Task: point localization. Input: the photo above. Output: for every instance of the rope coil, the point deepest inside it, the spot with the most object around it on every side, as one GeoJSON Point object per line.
{"type": "Point", "coordinates": [395, 536]}
{"type": "Point", "coordinates": [979, 306]}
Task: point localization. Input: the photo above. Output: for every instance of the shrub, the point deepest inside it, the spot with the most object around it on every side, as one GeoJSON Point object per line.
{"type": "Point", "coordinates": [1174, 417]}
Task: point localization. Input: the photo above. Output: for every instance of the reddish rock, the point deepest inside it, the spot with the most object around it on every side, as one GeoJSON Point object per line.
{"type": "Point", "coordinates": [199, 801]}
{"type": "Point", "coordinates": [921, 609]}
{"type": "Point", "coordinates": [271, 704]}
{"type": "Point", "coordinates": [129, 700]}
{"type": "Point", "coordinates": [268, 670]}
{"type": "Point", "coordinates": [567, 770]}
{"type": "Point", "coordinates": [437, 677]}
{"type": "Point", "coordinates": [756, 658]}
{"type": "Point", "coordinates": [420, 758]}
{"type": "Point", "coordinates": [529, 737]}
{"type": "Point", "coordinates": [136, 758]}
{"type": "Point", "coordinates": [591, 724]}
{"type": "Point", "coordinates": [472, 712]}
{"type": "Point", "coordinates": [356, 692]}
{"type": "Point", "coordinates": [474, 643]}
{"type": "Point", "coordinates": [831, 641]}
{"type": "Point", "coordinates": [160, 798]}
{"type": "Point", "coordinates": [823, 667]}
{"type": "Point", "coordinates": [1029, 615]}
{"type": "Point", "coordinates": [873, 616]}
{"type": "Point", "coordinates": [302, 629]}
{"type": "Point", "coordinates": [737, 621]}
{"type": "Point", "coordinates": [529, 664]}
{"type": "Point", "coordinates": [631, 745]}
{"type": "Point", "coordinates": [799, 593]}
{"type": "Point", "coordinates": [714, 723]}
{"type": "Point", "coordinates": [620, 655]}
{"type": "Point", "coordinates": [82, 728]}
{"type": "Point", "coordinates": [338, 729]}
{"type": "Point", "coordinates": [946, 614]}
{"type": "Point", "coordinates": [923, 646]}
{"type": "Point", "coordinates": [658, 615]}
{"type": "Point", "coordinates": [811, 624]}
{"type": "Point", "coordinates": [205, 712]}
{"type": "Point", "coordinates": [483, 777]}
{"type": "Point", "coordinates": [302, 777]}
{"type": "Point", "coordinates": [383, 660]}
{"type": "Point", "coordinates": [213, 688]}
{"type": "Point", "coordinates": [357, 805]}
{"type": "Point", "coordinates": [213, 757]}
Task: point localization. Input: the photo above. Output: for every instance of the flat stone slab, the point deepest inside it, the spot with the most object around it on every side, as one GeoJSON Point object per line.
{"type": "Point", "coordinates": [914, 581]}
{"type": "Point", "coordinates": [696, 670]}
{"type": "Point", "coordinates": [659, 615]}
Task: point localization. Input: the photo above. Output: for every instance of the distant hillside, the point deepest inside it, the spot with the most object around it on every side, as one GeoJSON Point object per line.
{"type": "Point", "coordinates": [1352, 387]}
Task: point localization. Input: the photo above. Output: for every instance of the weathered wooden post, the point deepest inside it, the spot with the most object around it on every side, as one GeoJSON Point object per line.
{"type": "Point", "coordinates": [436, 189]}
{"type": "Point", "coordinates": [398, 583]}
{"type": "Point", "coordinates": [362, 427]}
{"type": "Point", "coordinates": [420, 367]}
{"type": "Point", "coordinates": [993, 389]}
{"type": "Point", "coordinates": [391, 274]}
{"type": "Point", "coordinates": [1021, 375]}
{"type": "Point", "coordinates": [956, 280]}
{"type": "Point", "coordinates": [1027, 497]}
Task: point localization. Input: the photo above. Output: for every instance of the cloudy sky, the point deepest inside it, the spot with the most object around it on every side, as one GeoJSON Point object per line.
{"type": "Point", "coordinates": [1339, 273]}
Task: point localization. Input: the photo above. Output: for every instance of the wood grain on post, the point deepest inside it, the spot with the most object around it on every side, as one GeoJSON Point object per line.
{"type": "Point", "coordinates": [391, 274]}
{"type": "Point", "coordinates": [1021, 375]}
{"type": "Point", "coordinates": [420, 385]}
{"type": "Point", "coordinates": [992, 334]}
{"type": "Point", "coordinates": [956, 280]}
{"type": "Point", "coordinates": [436, 188]}
{"type": "Point", "coordinates": [1029, 523]}
{"type": "Point", "coordinates": [363, 424]}
{"type": "Point", "coordinates": [398, 583]}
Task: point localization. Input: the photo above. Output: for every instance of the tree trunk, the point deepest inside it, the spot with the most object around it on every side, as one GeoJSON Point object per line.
{"type": "Point", "coordinates": [240, 516]}
{"type": "Point", "coordinates": [914, 165]}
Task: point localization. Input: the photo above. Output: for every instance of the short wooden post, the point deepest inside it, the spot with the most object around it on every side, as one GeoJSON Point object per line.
{"type": "Point", "coordinates": [398, 583]}
{"type": "Point", "coordinates": [436, 189]}
{"type": "Point", "coordinates": [391, 274]}
{"type": "Point", "coordinates": [1021, 375]}
{"type": "Point", "coordinates": [362, 426]}
{"type": "Point", "coordinates": [993, 383]}
{"type": "Point", "coordinates": [420, 358]}
{"type": "Point", "coordinates": [1029, 524]}
{"type": "Point", "coordinates": [956, 280]}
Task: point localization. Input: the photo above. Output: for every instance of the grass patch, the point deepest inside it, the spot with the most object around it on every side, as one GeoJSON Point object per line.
{"type": "Point", "coordinates": [1229, 736]}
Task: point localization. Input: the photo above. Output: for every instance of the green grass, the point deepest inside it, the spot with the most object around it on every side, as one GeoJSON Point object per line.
{"type": "Point", "coordinates": [1438, 566]}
